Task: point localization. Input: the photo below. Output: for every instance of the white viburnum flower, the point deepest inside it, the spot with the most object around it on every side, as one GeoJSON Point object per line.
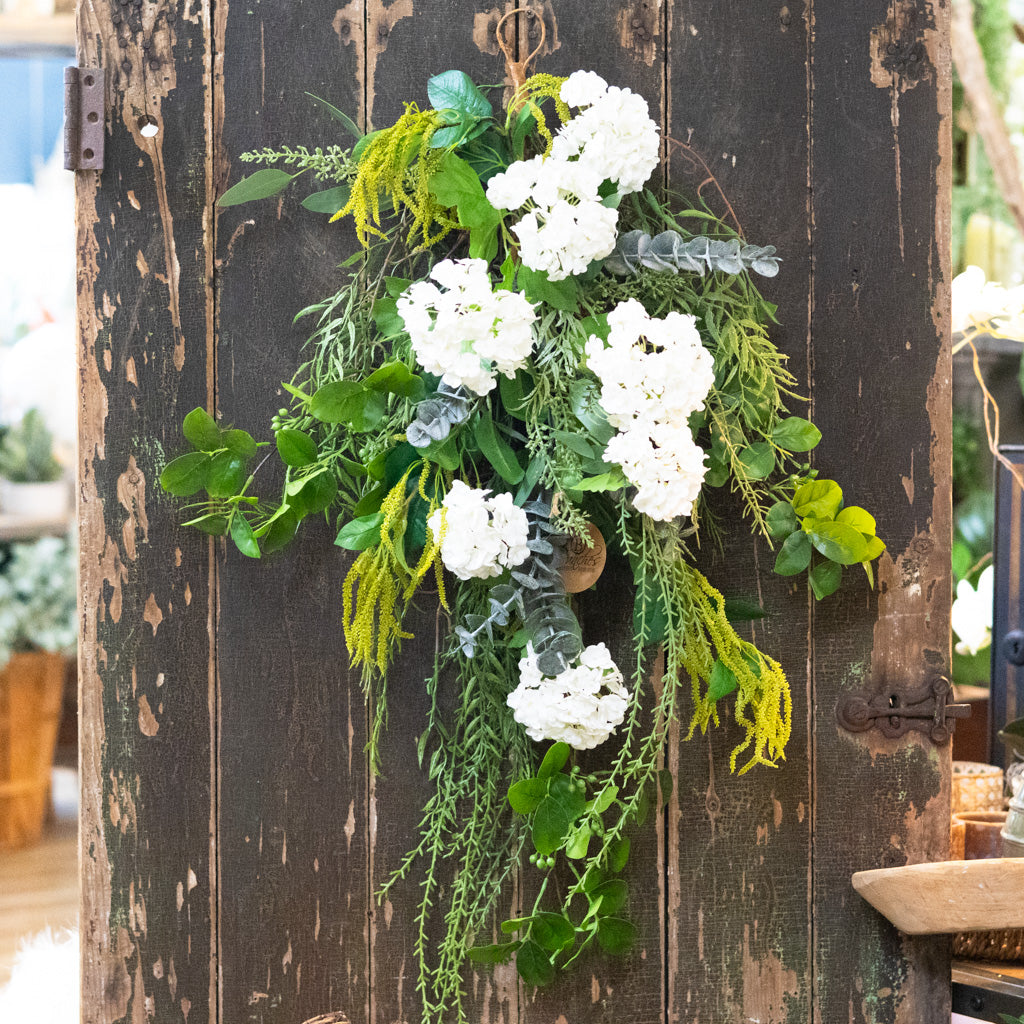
{"type": "Point", "coordinates": [581, 706]}
{"type": "Point", "coordinates": [654, 375]}
{"type": "Point", "coordinates": [971, 614]}
{"type": "Point", "coordinates": [464, 331]}
{"type": "Point", "coordinates": [481, 536]}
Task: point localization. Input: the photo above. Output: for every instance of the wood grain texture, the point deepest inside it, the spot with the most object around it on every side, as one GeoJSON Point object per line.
{"type": "Point", "coordinates": [146, 646]}
{"type": "Point", "coordinates": [880, 333]}
{"type": "Point", "coordinates": [740, 848]}
{"type": "Point", "coordinates": [233, 835]}
{"type": "Point", "coordinates": [292, 801]}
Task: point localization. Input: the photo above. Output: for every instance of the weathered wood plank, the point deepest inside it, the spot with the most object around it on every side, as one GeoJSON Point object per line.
{"type": "Point", "coordinates": [144, 312]}
{"type": "Point", "coordinates": [879, 120]}
{"type": "Point", "coordinates": [740, 848]}
{"type": "Point", "coordinates": [292, 801]}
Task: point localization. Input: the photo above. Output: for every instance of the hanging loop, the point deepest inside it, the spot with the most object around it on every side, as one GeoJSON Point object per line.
{"type": "Point", "coordinates": [517, 68]}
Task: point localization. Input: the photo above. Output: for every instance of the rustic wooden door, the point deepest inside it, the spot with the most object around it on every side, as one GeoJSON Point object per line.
{"type": "Point", "coordinates": [232, 835]}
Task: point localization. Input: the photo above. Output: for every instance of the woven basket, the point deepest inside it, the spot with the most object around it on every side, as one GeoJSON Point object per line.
{"type": "Point", "coordinates": [31, 694]}
{"type": "Point", "coordinates": [977, 787]}
{"type": "Point", "coordinates": [1005, 945]}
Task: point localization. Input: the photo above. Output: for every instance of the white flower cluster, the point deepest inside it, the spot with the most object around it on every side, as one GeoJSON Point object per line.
{"type": "Point", "coordinates": [581, 706]}
{"type": "Point", "coordinates": [463, 330]}
{"type": "Point", "coordinates": [987, 304]}
{"type": "Point", "coordinates": [480, 536]}
{"type": "Point", "coordinates": [567, 226]}
{"type": "Point", "coordinates": [654, 373]}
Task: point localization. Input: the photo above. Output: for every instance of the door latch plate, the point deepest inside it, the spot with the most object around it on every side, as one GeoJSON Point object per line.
{"type": "Point", "coordinates": [894, 711]}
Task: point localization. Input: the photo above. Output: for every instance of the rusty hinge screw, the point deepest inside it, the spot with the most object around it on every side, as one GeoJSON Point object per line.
{"type": "Point", "coordinates": [84, 119]}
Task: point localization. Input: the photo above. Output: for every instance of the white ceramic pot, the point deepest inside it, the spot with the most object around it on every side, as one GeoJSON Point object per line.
{"type": "Point", "coordinates": [46, 501]}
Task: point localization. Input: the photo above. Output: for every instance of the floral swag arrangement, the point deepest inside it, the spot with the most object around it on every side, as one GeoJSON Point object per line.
{"type": "Point", "coordinates": [534, 356]}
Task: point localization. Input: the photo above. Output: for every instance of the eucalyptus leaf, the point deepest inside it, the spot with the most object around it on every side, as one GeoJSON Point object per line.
{"type": "Point", "coordinates": [330, 200]}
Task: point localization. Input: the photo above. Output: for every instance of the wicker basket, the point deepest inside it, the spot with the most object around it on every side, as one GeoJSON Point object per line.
{"type": "Point", "coordinates": [977, 787]}
{"type": "Point", "coordinates": [31, 694]}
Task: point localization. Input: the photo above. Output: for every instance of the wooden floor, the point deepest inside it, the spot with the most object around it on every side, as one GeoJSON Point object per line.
{"type": "Point", "coordinates": [38, 888]}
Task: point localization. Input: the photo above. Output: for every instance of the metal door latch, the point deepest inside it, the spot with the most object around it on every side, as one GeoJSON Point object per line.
{"type": "Point", "coordinates": [84, 119]}
{"type": "Point", "coordinates": [893, 712]}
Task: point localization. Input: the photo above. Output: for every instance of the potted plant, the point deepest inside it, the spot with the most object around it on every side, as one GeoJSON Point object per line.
{"type": "Point", "coordinates": [38, 627]}
{"type": "Point", "coordinates": [32, 483]}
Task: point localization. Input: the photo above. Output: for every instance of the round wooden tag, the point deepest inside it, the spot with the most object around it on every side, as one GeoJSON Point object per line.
{"type": "Point", "coordinates": [583, 565]}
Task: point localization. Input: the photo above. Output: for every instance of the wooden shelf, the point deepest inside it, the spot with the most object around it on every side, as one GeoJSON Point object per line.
{"type": "Point", "coordinates": [948, 896]}
{"type": "Point", "coordinates": [13, 528]}
{"type": "Point", "coordinates": [37, 30]}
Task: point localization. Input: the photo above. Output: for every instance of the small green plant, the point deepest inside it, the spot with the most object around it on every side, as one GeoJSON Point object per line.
{"type": "Point", "coordinates": [26, 452]}
{"type": "Point", "coordinates": [38, 598]}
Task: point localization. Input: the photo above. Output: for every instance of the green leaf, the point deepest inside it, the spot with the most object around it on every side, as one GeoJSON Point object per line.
{"type": "Point", "coordinates": [370, 501]}
{"type": "Point", "coordinates": [835, 540]}
{"type": "Point", "coordinates": [348, 401]}
{"type": "Point", "coordinates": [579, 842]}
{"type": "Point", "coordinates": [396, 285]}
{"type": "Point", "coordinates": [615, 935]}
{"type": "Point", "coordinates": [665, 784]}
{"type": "Point", "coordinates": [551, 823]}
{"type": "Point", "coordinates": [613, 893]}
{"type": "Point", "coordinates": [611, 481]}
{"type": "Point", "coordinates": [363, 145]}
{"type": "Point", "coordinates": [860, 519]}
{"type": "Point", "coordinates": [552, 932]}
{"type": "Point", "coordinates": [260, 185]}
{"type": "Point", "coordinates": [782, 520]}
{"type": "Point", "coordinates": [795, 434]}
{"type": "Point", "coordinates": [605, 798]}
{"type": "Point", "coordinates": [562, 789]}
{"type": "Point", "coordinates": [242, 535]}
{"type": "Point", "coordinates": [795, 554]}
{"type": "Point", "coordinates": [212, 523]}
{"type": "Point", "coordinates": [618, 854]}
{"type": "Point", "coordinates": [201, 431]}
{"type": "Point", "coordinates": [296, 447]}
{"type": "Point", "coordinates": [313, 493]}
{"type": "Point", "coordinates": [226, 475]}
{"type": "Point", "coordinates": [515, 924]}
{"type": "Point", "coordinates": [512, 391]}
{"type": "Point", "coordinates": [386, 316]}
{"type": "Point", "coordinates": [330, 200]}
{"type": "Point", "coordinates": [360, 533]}
{"type": "Point", "coordinates": [554, 760]}
{"type": "Point", "coordinates": [873, 548]}
{"type": "Point", "coordinates": [456, 184]}
{"type": "Point", "coordinates": [496, 449]}
{"type": "Point", "coordinates": [281, 531]}
{"type": "Point", "coordinates": [339, 115]}
{"type": "Point", "coordinates": [525, 795]}
{"type": "Point", "coordinates": [825, 578]}
{"type": "Point", "coordinates": [240, 442]}
{"type": "Point", "coordinates": [757, 460]}
{"type": "Point", "coordinates": [586, 407]}
{"type": "Point", "coordinates": [534, 965]}
{"type": "Point", "coordinates": [717, 474]}
{"type": "Point", "coordinates": [739, 609]}
{"type": "Point", "coordinates": [186, 474]}
{"type": "Point", "coordinates": [540, 288]}
{"type": "Point", "coordinates": [723, 681]}
{"type": "Point", "coordinates": [499, 953]}
{"type": "Point", "coordinates": [455, 90]}
{"type": "Point", "coordinates": [820, 499]}
{"type": "Point", "coordinates": [397, 379]}
{"type": "Point", "coordinates": [575, 443]}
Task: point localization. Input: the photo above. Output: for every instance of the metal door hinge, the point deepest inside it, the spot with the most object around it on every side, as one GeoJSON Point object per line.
{"type": "Point", "coordinates": [84, 119]}
{"type": "Point", "coordinates": [895, 711]}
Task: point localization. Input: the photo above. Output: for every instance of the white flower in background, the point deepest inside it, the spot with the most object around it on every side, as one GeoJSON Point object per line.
{"type": "Point", "coordinates": [654, 374]}
{"type": "Point", "coordinates": [581, 706]}
{"type": "Point", "coordinates": [977, 302]}
{"type": "Point", "coordinates": [480, 536]}
{"type": "Point", "coordinates": [566, 226]}
{"type": "Point", "coordinates": [464, 331]}
{"type": "Point", "coordinates": [971, 615]}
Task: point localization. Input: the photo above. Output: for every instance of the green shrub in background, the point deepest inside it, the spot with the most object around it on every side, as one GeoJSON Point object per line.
{"type": "Point", "coordinates": [38, 597]}
{"type": "Point", "coordinates": [26, 452]}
